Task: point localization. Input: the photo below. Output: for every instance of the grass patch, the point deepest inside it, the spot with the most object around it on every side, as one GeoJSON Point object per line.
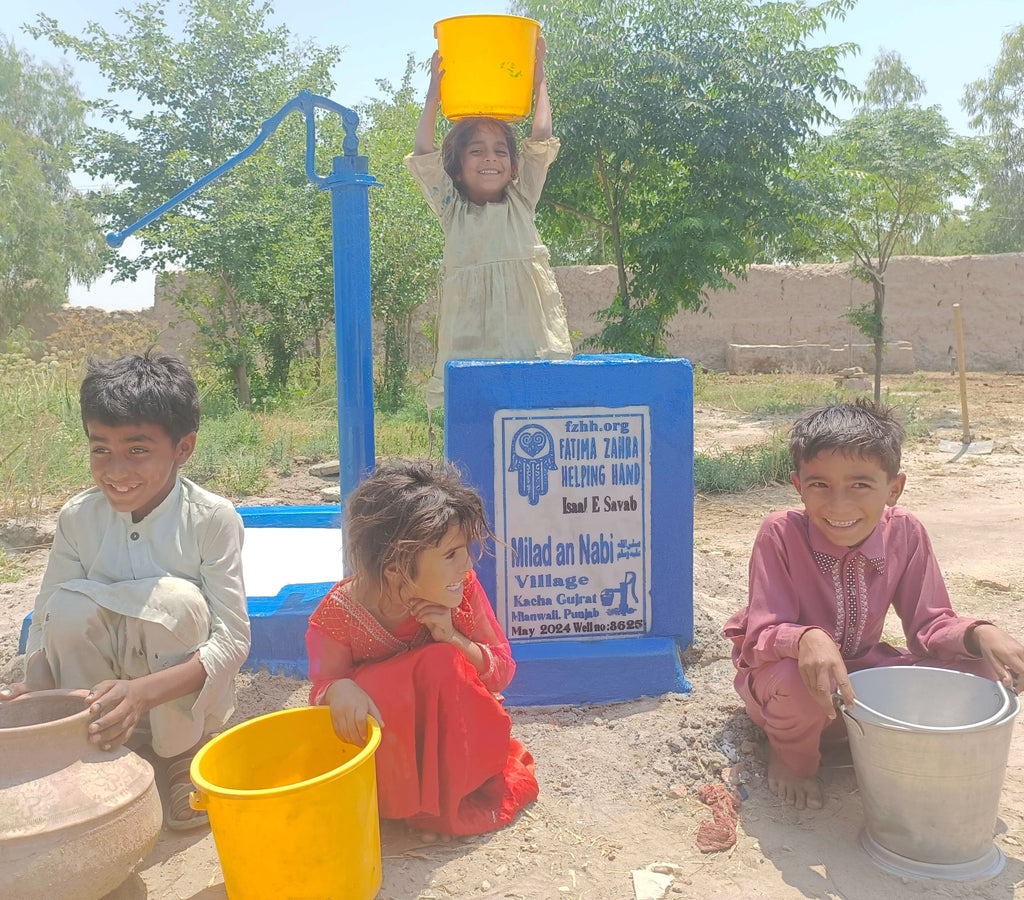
{"type": "Point", "coordinates": [404, 432]}
{"type": "Point", "coordinates": [10, 571]}
{"type": "Point", "coordinates": [232, 455]}
{"type": "Point", "coordinates": [44, 454]}
{"type": "Point", "coordinates": [738, 470]}
{"type": "Point", "coordinates": [765, 396]}
{"type": "Point", "coordinates": [44, 449]}
{"type": "Point", "coordinates": [922, 401]}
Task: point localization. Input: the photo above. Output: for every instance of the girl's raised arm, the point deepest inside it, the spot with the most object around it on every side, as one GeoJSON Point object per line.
{"type": "Point", "coordinates": [424, 142]}
{"type": "Point", "coordinates": [541, 102]}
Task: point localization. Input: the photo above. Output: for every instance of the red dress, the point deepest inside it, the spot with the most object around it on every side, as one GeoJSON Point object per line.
{"type": "Point", "coordinates": [447, 761]}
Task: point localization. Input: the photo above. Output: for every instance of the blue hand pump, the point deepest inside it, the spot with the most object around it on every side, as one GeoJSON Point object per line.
{"type": "Point", "coordinates": [349, 184]}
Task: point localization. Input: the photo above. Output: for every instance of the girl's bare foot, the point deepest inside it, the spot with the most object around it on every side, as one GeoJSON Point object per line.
{"type": "Point", "coordinates": [798, 791]}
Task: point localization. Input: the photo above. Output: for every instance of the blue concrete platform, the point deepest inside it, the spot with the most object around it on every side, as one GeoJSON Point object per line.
{"type": "Point", "coordinates": [585, 467]}
{"type": "Point", "coordinates": [291, 558]}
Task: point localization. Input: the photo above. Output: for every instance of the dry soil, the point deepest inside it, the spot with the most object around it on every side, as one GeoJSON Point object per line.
{"type": "Point", "coordinates": [619, 782]}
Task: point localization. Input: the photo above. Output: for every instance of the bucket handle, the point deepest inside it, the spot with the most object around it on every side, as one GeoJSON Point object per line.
{"type": "Point", "coordinates": [837, 698]}
{"type": "Point", "coordinates": [903, 726]}
{"type": "Point", "coordinates": [198, 800]}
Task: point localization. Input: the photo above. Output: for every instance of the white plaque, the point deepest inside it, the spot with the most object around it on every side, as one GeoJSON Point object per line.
{"type": "Point", "coordinates": [572, 515]}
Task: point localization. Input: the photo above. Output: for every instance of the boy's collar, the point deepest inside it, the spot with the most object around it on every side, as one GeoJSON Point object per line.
{"type": "Point", "coordinates": [167, 502]}
{"type": "Point", "coordinates": [827, 554]}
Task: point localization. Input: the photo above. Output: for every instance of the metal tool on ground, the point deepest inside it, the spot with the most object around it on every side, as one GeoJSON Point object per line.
{"type": "Point", "coordinates": [966, 445]}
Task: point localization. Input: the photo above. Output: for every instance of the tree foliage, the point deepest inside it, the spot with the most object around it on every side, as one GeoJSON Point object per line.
{"type": "Point", "coordinates": [256, 235]}
{"type": "Point", "coordinates": [405, 244]}
{"type": "Point", "coordinates": [47, 236]}
{"type": "Point", "coordinates": [890, 84]}
{"type": "Point", "coordinates": [996, 104]}
{"type": "Point", "coordinates": [678, 120]}
{"type": "Point", "coordinates": [886, 173]}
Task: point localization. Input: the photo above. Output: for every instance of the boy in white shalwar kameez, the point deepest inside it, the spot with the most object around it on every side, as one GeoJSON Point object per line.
{"type": "Point", "coordinates": [142, 602]}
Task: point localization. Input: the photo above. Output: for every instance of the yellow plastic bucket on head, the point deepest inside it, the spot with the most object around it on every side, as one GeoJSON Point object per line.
{"type": "Point", "coordinates": [293, 809]}
{"type": "Point", "coordinates": [488, 64]}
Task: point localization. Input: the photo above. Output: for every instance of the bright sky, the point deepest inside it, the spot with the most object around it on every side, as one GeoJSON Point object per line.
{"type": "Point", "coordinates": [947, 43]}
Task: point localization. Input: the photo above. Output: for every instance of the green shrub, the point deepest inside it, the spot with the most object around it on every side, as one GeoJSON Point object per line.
{"type": "Point", "coordinates": [737, 470]}
{"type": "Point", "coordinates": [44, 451]}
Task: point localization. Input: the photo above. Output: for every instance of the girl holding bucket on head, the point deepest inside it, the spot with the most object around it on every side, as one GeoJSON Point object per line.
{"type": "Point", "coordinates": [410, 639]}
{"type": "Point", "coordinates": [499, 298]}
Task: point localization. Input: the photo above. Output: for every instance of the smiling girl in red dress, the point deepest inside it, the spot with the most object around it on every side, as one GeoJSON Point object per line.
{"type": "Point", "coordinates": [410, 638]}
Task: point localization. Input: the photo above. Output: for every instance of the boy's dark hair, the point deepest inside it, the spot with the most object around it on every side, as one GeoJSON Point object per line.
{"type": "Point", "coordinates": [861, 428]}
{"type": "Point", "coordinates": [458, 138]}
{"type": "Point", "coordinates": [131, 390]}
{"type": "Point", "coordinates": [403, 507]}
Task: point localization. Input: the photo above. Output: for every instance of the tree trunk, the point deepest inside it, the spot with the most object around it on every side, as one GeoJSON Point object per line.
{"type": "Point", "coordinates": [613, 219]}
{"type": "Point", "coordinates": [878, 286]}
{"type": "Point", "coordinates": [241, 374]}
{"type": "Point", "coordinates": [240, 370]}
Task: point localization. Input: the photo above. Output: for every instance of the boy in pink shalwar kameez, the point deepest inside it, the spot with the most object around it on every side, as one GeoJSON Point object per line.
{"type": "Point", "coordinates": [821, 582]}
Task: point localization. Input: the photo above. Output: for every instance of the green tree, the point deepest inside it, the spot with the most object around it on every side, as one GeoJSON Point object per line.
{"type": "Point", "coordinates": [883, 175]}
{"type": "Point", "coordinates": [201, 98]}
{"type": "Point", "coordinates": [47, 236]}
{"type": "Point", "coordinates": [295, 285]}
{"type": "Point", "coordinates": [890, 84]}
{"type": "Point", "coordinates": [405, 244]}
{"type": "Point", "coordinates": [678, 121]}
{"type": "Point", "coordinates": [996, 104]}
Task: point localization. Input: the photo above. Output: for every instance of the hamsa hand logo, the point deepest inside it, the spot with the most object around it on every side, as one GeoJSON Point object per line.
{"type": "Point", "coordinates": [533, 456]}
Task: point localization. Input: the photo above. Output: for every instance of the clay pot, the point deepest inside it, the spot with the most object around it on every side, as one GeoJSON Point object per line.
{"type": "Point", "coordinates": [75, 821]}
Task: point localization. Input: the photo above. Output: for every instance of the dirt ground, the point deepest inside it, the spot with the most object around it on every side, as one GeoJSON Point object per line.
{"type": "Point", "coordinates": [619, 782]}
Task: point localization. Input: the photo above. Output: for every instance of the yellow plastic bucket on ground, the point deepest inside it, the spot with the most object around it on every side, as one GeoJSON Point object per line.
{"type": "Point", "coordinates": [488, 64]}
{"type": "Point", "coordinates": [293, 809]}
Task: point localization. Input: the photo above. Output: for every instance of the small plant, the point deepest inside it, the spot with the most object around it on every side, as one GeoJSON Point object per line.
{"type": "Point", "coordinates": [703, 381]}
{"type": "Point", "coordinates": [737, 470]}
{"type": "Point", "coordinates": [9, 568]}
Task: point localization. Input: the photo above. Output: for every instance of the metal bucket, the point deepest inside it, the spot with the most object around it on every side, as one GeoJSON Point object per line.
{"type": "Point", "coordinates": [928, 699]}
{"type": "Point", "coordinates": [930, 787]}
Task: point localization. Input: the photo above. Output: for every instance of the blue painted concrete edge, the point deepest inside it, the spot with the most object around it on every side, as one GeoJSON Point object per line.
{"type": "Point", "coordinates": [278, 625]}
{"type": "Point", "coordinates": [325, 516]}
{"type": "Point", "coordinates": [605, 671]}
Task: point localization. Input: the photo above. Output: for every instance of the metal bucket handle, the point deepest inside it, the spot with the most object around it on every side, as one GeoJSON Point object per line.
{"type": "Point", "coordinates": [846, 713]}
{"type": "Point", "coordinates": [889, 721]}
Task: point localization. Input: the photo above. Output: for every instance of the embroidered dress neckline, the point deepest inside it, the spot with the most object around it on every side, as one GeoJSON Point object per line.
{"type": "Point", "coordinates": [365, 618]}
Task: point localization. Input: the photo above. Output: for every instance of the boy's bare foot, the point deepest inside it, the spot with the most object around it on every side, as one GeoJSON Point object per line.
{"type": "Point", "coordinates": [798, 791]}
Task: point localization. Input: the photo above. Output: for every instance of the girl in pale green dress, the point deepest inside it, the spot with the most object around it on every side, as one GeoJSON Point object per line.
{"type": "Point", "coordinates": [499, 299]}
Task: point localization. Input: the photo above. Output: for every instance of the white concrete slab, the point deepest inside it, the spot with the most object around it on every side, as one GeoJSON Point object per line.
{"type": "Point", "coordinates": [274, 557]}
